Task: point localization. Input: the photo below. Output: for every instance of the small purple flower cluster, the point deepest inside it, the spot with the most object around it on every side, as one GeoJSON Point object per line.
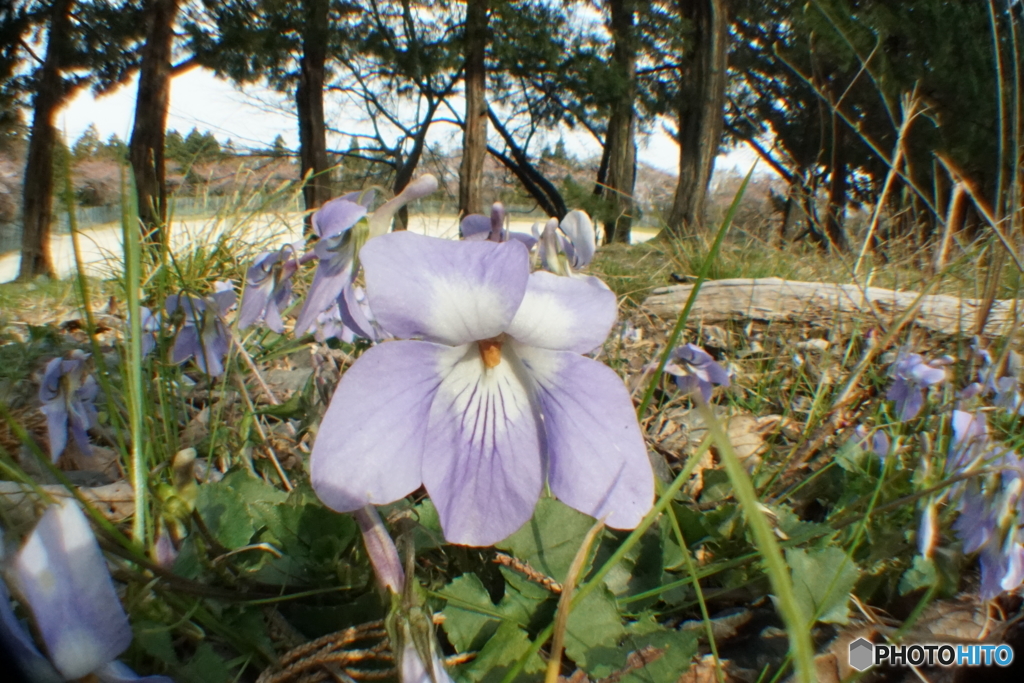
{"type": "Point", "coordinates": [990, 502]}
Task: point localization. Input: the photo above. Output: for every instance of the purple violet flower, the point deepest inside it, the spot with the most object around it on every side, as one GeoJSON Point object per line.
{"type": "Point", "coordinates": [573, 249]}
{"type": "Point", "coordinates": [268, 289]}
{"type": "Point", "coordinates": [977, 520]}
{"type": "Point", "coordinates": [330, 326]}
{"type": "Point", "coordinates": [338, 225]}
{"type": "Point", "coordinates": [476, 228]}
{"type": "Point", "coordinates": [203, 334]}
{"type": "Point", "coordinates": [67, 393]}
{"type": "Point", "coordinates": [61, 576]}
{"type": "Point", "coordinates": [1002, 565]}
{"type": "Point", "coordinates": [695, 370]}
{"type": "Point", "coordinates": [970, 439]}
{"type": "Point", "coordinates": [912, 377]}
{"type": "Point", "coordinates": [485, 397]}
{"type": "Point", "coordinates": [347, 322]}
{"type": "Point", "coordinates": [988, 521]}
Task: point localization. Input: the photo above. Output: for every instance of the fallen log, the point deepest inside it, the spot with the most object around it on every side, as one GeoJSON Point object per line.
{"type": "Point", "coordinates": [778, 300]}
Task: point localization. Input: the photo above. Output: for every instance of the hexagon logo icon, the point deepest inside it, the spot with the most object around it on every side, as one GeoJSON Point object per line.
{"type": "Point", "coordinates": [862, 654]}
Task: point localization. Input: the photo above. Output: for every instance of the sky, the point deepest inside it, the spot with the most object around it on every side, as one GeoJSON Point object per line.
{"type": "Point", "coordinates": [255, 116]}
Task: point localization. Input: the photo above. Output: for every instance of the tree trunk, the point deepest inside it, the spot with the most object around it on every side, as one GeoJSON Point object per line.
{"type": "Point", "coordinates": [700, 110]}
{"type": "Point", "coordinates": [602, 169]}
{"type": "Point", "coordinates": [474, 134]}
{"type": "Point", "coordinates": [309, 102]}
{"type": "Point", "coordinates": [837, 190]}
{"type": "Point", "coordinates": [146, 148]}
{"type": "Point", "coordinates": [621, 129]}
{"type": "Point", "coordinates": [37, 195]}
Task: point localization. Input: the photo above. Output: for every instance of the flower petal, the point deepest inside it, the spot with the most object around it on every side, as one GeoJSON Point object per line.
{"type": "Point", "coordinates": [364, 197]}
{"type": "Point", "coordinates": [333, 273]}
{"type": "Point", "coordinates": [475, 227]}
{"type": "Point", "coordinates": [927, 375]}
{"type": "Point", "coordinates": [598, 462]}
{"type": "Point", "coordinates": [215, 348]}
{"type": "Point", "coordinates": [62, 575]}
{"type": "Point", "coordinates": [353, 315]}
{"type": "Point", "coordinates": [443, 290]}
{"type": "Point", "coordinates": [370, 443]}
{"type": "Point", "coordinates": [482, 466]}
{"type": "Point", "coordinates": [186, 344]}
{"type": "Point", "coordinates": [380, 220]}
{"type": "Point", "coordinates": [254, 301]}
{"type": "Point", "coordinates": [56, 412]}
{"type": "Point", "coordinates": [909, 408]}
{"type": "Point", "coordinates": [564, 313]}
{"type": "Point", "coordinates": [578, 227]}
{"type": "Point", "coordinates": [337, 216]}
{"type": "Point", "coordinates": [18, 645]}
{"type": "Point", "coordinates": [49, 387]}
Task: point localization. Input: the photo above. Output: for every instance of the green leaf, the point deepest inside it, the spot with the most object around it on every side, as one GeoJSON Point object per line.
{"type": "Point", "coordinates": [226, 514]}
{"type": "Point", "coordinates": [922, 574]}
{"type": "Point", "coordinates": [470, 618]}
{"type": "Point", "coordinates": [311, 539]}
{"type": "Point", "coordinates": [155, 639]}
{"type": "Point", "coordinates": [790, 523]}
{"type": "Point", "coordinates": [594, 625]}
{"type": "Point", "coordinates": [822, 581]}
{"type": "Point", "coordinates": [261, 498]}
{"type": "Point", "coordinates": [187, 563]}
{"type": "Point", "coordinates": [205, 667]}
{"type": "Point", "coordinates": [293, 408]}
{"type": "Point", "coordinates": [668, 656]}
{"type": "Point", "coordinates": [549, 541]}
{"type": "Point", "coordinates": [851, 456]}
{"type": "Point", "coordinates": [504, 648]}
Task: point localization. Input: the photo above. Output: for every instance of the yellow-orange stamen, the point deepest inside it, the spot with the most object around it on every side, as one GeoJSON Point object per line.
{"type": "Point", "coordinates": [490, 352]}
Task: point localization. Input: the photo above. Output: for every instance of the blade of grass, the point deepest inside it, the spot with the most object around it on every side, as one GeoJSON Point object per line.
{"type": "Point", "coordinates": [565, 602]}
{"type": "Point", "coordinates": [138, 469]}
{"type": "Point", "coordinates": [797, 624]}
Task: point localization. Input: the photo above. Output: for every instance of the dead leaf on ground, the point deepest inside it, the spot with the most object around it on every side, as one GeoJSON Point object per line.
{"type": "Point", "coordinates": [19, 502]}
{"type": "Point", "coordinates": [703, 671]}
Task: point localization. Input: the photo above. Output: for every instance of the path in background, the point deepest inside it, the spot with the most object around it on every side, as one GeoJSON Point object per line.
{"type": "Point", "coordinates": [102, 253]}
